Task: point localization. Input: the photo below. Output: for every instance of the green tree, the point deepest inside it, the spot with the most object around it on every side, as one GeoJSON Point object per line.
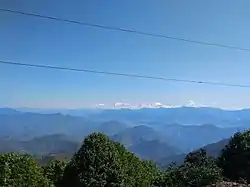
{"type": "Point", "coordinates": [54, 171]}
{"type": "Point", "coordinates": [193, 175]}
{"type": "Point", "coordinates": [97, 163]}
{"type": "Point", "coordinates": [196, 157]}
{"type": "Point", "coordinates": [102, 162]}
{"type": "Point", "coordinates": [234, 159]}
{"type": "Point", "coordinates": [20, 170]}
{"type": "Point", "coordinates": [137, 172]}
{"type": "Point", "coordinates": [200, 158]}
{"type": "Point", "coordinates": [198, 170]}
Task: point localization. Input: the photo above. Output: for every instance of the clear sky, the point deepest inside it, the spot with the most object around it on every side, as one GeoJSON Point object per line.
{"type": "Point", "coordinates": [38, 41]}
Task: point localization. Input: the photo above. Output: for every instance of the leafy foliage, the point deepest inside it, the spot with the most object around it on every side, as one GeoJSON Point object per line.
{"type": "Point", "coordinates": [102, 162]}
{"type": "Point", "coordinates": [20, 170]}
{"type": "Point", "coordinates": [234, 159]}
{"type": "Point", "coordinates": [200, 158]}
{"type": "Point", "coordinates": [198, 170]}
{"type": "Point", "coordinates": [54, 171]}
{"type": "Point", "coordinates": [96, 164]}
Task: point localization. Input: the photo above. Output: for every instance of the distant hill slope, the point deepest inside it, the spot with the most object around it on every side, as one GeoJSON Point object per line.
{"type": "Point", "coordinates": [191, 137]}
{"type": "Point", "coordinates": [134, 135]}
{"type": "Point", "coordinates": [8, 111]}
{"type": "Point", "coordinates": [213, 149]}
{"type": "Point", "coordinates": [111, 127]}
{"type": "Point", "coordinates": [153, 150]}
{"type": "Point", "coordinates": [45, 145]}
{"type": "Point", "coordinates": [146, 143]}
{"type": "Point", "coordinates": [29, 125]}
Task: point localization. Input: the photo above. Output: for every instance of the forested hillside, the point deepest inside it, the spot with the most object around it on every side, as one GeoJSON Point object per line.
{"type": "Point", "coordinates": [103, 162]}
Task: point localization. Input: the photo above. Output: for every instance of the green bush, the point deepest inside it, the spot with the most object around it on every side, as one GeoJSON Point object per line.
{"type": "Point", "coordinates": [102, 162]}
{"type": "Point", "coordinates": [20, 170]}
{"type": "Point", "coordinates": [235, 158]}
{"type": "Point", "coordinates": [54, 171]}
{"type": "Point", "coordinates": [198, 170]}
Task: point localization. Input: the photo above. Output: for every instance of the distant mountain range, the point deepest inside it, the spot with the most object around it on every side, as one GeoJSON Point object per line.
{"type": "Point", "coordinates": [158, 134]}
{"type": "Point", "coordinates": [181, 115]}
{"type": "Point", "coordinates": [28, 125]}
{"type": "Point", "coordinates": [58, 145]}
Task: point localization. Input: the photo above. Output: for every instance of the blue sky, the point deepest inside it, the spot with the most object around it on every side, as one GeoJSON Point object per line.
{"type": "Point", "coordinates": [37, 41]}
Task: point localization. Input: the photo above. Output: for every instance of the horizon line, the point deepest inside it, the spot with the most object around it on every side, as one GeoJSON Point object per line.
{"type": "Point", "coordinates": [117, 108]}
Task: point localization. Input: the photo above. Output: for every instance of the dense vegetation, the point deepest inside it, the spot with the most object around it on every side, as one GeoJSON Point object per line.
{"type": "Point", "coordinates": [103, 162]}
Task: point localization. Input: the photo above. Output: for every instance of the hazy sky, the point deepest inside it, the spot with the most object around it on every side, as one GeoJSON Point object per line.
{"type": "Point", "coordinates": [38, 41]}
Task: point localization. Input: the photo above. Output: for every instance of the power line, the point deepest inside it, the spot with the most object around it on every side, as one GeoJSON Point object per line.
{"type": "Point", "coordinates": [122, 74]}
{"type": "Point", "coordinates": [125, 30]}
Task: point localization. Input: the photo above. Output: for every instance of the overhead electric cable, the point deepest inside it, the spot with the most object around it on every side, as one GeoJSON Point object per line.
{"type": "Point", "coordinates": [122, 74]}
{"type": "Point", "coordinates": [125, 30]}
